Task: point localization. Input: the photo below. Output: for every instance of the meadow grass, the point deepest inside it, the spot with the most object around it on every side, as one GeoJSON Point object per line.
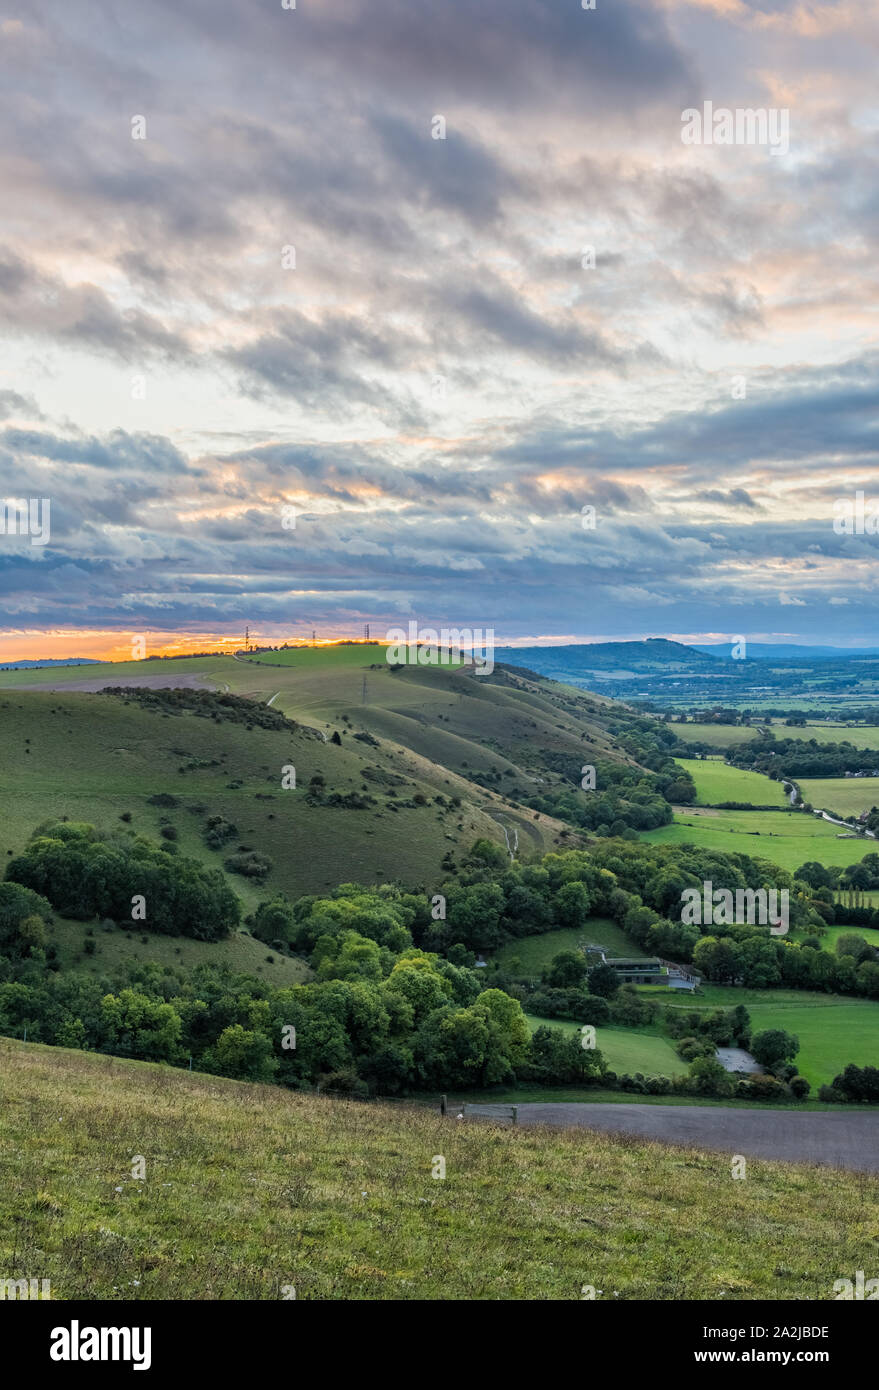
{"type": "Point", "coordinates": [115, 950]}
{"type": "Point", "coordinates": [625, 1049]}
{"type": "Point", "coordinates": [847, 796]}
{"type": "Point", "coordinates": [250, 1189]}
{"type": "Point", "coordinates": [859, 735]}
{"type": "Point", "coordinates": [95, 758]}
{"type": "Point", "coordinates": [786, 838]}
{"type": "Point", "coordinates": [716, 782]}
{"type": "Point", "coordinates": [832, 935]}
{"type": "Point", "coordinates": [720, 735]}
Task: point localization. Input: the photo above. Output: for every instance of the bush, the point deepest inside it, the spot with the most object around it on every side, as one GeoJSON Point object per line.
{"type": "Point", "coordinates": [830, 1096]}
{"type": "Point", "coordinates": [766, 1088]}
{"type": "Point", "coordinates": [250, 864]}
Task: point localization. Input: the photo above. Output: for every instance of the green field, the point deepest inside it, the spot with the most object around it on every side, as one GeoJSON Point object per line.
{"type": "Point", "coordinates": [847, 796]}
{"type": "Point", "coordinates": [625, 1049]}
{"type": "Point", "coordinates": [833, 1030]}
{"type": "Point", "coordinates": [858, 735]}
{"type": "Point", "coordinates": [720, 735]}
{"type": "Point", "coordinates": [832, 935]}
{"type": "Point", "coordinates": [788, 839]}
{"type": "Point", "coordinates": [251, 1188]}
{"type": "Point", "coordinates": [717, 782]}
{"type": "Point", "coordinates": [535, 953]}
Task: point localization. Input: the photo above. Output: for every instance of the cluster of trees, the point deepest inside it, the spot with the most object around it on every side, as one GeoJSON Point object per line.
{"type": "Point", "coordinates": [796, 757]}
{"type": "Point", "coordinates": [84, 873]}
{"type": "Point", "coordinates": [859, 1085]}
{"type": "Point", "coordinates": [864, 875]}
{"type": "Point", "coordinates": [721, 1027]}
{"type": "Point", "coordinates": [397, 1001]}
{"type": "Point", "coordinates": [624, 799]}
{"type": "Point", "coordinates": [426, 1024]}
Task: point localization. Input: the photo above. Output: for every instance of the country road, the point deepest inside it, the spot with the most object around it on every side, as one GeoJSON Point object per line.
{"type": "Point", "coordinates": [840, 1138]}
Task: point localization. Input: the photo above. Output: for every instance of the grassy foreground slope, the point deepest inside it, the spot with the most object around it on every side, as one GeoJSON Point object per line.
{"type": "Point", "coordinates": [249, 1189]}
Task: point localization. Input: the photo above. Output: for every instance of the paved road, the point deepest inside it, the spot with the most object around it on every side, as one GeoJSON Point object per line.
{"type": "Point", "coordinates": [841, 1138]}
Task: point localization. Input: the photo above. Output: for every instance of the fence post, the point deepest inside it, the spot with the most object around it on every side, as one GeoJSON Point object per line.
{"type": "Point", "coordinates": [442, 1105]}
{"type": "Point", "coordinates": [515, 1114]}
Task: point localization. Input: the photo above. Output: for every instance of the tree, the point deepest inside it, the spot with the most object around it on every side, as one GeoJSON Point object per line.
{"type": "Point", "coordinates": [507, 1014]}
{"type": "Point", "coordinates": [603, 981]}
{"type": "Point", "coordinates": [774, 1046]}
{"type": "Point", "coordinates": [274, 921]}
{"type": "Point", "coordinates": [241, 1053]}
{"type": "Point", "coordinates": [555, 1057]}
{"type": "Point", "coordinates": [572, 905]}
{"type": "Point", "coordinates": [850, 944]}
{"type": "Point", "coordinates": [567, 970]}
{"type": "Point", "coordinates": [710, 1077]}
{"type": "Point", "coordinates": [133, 1025]}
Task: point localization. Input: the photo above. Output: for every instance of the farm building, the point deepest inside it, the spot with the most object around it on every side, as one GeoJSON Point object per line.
{"type": "Point", "coordinates": [649, 971]}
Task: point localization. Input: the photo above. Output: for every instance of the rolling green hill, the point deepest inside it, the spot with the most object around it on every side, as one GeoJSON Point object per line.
{"type": "Point", "coordinates": [249, 1189]}
{"type": "Point", "coordinates": [96, 757]}
{"type": "Point", "coordinates": [396, 747]}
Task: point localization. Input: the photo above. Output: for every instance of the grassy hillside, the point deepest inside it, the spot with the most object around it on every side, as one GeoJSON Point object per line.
{"type": "Point", "coordinates": [400, 737]}
{"type": "Point", "coordinates": [119, 947]}
{"type": "Point", "coordinates": [249, 1189]}
{"type": "Point", "coordinates": [95, 757]}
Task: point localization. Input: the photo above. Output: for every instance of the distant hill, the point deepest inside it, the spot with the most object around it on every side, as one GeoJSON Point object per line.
{"type": "Point", "coordinates": [32, 665]}
{"type": "Point", "coordinates": [785, 651]}
{"type": "Point", "coordinates": [656, 653]}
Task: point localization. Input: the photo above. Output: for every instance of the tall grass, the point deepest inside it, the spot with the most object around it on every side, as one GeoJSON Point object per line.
{"type": "Point", "coordinates": [250, 1190]}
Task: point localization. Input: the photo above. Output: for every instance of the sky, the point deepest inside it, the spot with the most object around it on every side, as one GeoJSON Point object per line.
{"type": "Point", "coordinates": [380, 310]}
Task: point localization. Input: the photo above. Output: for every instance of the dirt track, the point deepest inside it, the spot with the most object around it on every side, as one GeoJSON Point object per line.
{"type": "Point", "coordinates": [840, 1138]}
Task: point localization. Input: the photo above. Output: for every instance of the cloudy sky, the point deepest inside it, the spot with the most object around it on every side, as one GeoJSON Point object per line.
{"type": "Point", "coordinates": [281, 355]}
